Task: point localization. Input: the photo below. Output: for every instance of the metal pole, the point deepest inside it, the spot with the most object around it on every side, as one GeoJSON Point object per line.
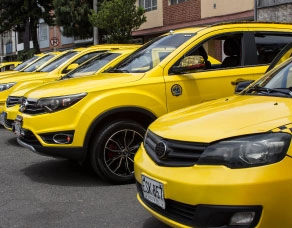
{"type": "Point", "coordinates": [255, 10]}
{"type": "Point", "coordinates": [95, 29]}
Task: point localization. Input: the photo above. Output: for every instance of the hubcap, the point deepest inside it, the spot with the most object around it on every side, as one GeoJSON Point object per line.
{"type": "Point", "coordinates": [120, 150]}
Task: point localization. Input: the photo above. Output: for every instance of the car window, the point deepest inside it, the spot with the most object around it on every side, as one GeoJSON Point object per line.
{"type": "Point", "coordinates": [269, 45]}
{"type": "Point", "coordinates": [38, 63]}
{"type": "Point", "coordinates": [277, 82]}
{"type": "Point", "coordinates": [25, 63]}
{"type": "Point", "coordinates": [283, 79]}
{"type": "Point", "coordinates": [83, 58]}
{"type": "Point", "coordinates": [230, 50]}
{"type": "Point", "coordinates": [151, 54]}
{"type": "Point", "coordinates": [282, 56]}
{"type": "Point", "coordinates": [218, 52]}
{"type": "Point", "coordinates": [58, 61]}
{"type": "Point", "coordinates": [93, 65]}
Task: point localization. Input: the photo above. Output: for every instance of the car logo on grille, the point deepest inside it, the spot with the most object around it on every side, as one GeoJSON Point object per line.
{"type": "Point", "coordinates": [161, 150]}
{"type": "Point", "coordinates": [23, 105]}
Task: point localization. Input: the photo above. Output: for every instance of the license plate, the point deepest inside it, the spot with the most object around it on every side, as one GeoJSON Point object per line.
{"type": "Point", "coordinates": [153, 191]}
{"type": "Point", "coordinates": [17, 125]}
{"type": "Point", "coordinates": [2, 118]}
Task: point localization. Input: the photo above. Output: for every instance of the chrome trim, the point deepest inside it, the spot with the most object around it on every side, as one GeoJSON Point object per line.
{"type": "Point", "coordinates": [26, 145]}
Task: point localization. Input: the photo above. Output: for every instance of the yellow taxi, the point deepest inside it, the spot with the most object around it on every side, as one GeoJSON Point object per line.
{"type": "Point", "coordinates": [7, 66]}
{"type": "Point", "coordinates": [52, 70]}
{"type": "Point", "coordinates": [224, 163]}
{"type": "Point", "coordinates": [103, 119]}
{"type": "Point", "coordinates": [91, 67]}
{"type": "Point", "coordinates": [23, 65]}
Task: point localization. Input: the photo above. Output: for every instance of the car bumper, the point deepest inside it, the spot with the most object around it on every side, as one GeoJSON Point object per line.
{"type": "Point", "coordinates": [72, 153]}
{"type": "Point", "coordinates": [7, 119]}
{"type": "Point", "coordinates": [10, 116]}
{"type": "Point", "coordinates": [59, 134]}
{"type": "Point", "coordinates": [204, 192]}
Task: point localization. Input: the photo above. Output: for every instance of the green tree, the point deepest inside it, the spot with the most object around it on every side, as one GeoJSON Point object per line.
{"type": "Point", "coordinates": [16, 14]}
{"type": "Point", "coordinates": [118, 18]}
{"type": "Point", "coordinates": [72, 15]}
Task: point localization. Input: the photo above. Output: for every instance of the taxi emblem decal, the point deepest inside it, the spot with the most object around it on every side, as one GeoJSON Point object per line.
{"type": "Point", "coordinates": [176, 90]}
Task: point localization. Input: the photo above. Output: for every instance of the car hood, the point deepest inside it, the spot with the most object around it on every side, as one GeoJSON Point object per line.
{"type": "Point", "coordinates": [99, 82]}
{"type": "Point", "coordinates": [224, 118]}
{"type": "Point", "coordinates": [25, 89]}
{"type": "Point", "coordinates": [6, 73]}
{"type": "Point", "coordinates": [22, 76]}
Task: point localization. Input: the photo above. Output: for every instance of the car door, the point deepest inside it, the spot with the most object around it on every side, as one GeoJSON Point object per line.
{"type": "Point", "coordinates": [196, 85]}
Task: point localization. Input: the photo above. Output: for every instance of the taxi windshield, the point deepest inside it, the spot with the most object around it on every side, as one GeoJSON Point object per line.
{"type": "Point", "coordinates": [58, 61]}
{"type": "Point", "coordinates": [275, 83]}
{"type": "Point", "coordinates": [25, 63]}
{"type": "Point", "coordinates": [151, 54]}
{"type": "Point", "coordinates": [38, 63]}
{"type": "Point", "coordinates": [93, 65]}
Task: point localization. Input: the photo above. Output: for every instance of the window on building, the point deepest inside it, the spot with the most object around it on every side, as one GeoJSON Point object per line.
{"type": "Point", "coordinates": [173, 2]}
{"type": "Point", "coordinates": [265, 3]}
{"type": "Point", "coordinates": [148, 5]}
{"type": "Point", "coordinates": [9, 47]}
{"type": "Point", "coordinates": [43, 31]}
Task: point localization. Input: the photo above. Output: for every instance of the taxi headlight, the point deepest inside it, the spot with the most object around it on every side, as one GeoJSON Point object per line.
{"type": "Point", "coordinates": [53, 104]}
{"type": "Point", "coordinates": [247, 151]}
{"type": "Point", "coordinates": [6, 86]}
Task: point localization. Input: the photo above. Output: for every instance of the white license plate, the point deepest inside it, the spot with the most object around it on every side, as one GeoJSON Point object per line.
{"type": "Point", "coordinates": [17, 125]}
{"type": "Point", "coordinates": [153, 191]}
{"type": "Point", "coordinates": [2, 118]}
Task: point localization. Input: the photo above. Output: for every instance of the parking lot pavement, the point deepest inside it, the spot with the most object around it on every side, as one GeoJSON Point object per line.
{"type": "Point", "coordinates": [38, 191]}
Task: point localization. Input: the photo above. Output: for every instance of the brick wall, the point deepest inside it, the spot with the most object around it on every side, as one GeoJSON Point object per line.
{"type": "Point", "coordinates": [182, 12]}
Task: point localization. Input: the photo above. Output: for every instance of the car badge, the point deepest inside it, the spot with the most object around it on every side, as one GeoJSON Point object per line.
{"type": "Point", "coordinates": [161, 150]}
{"type": "Point", "coordinates": [23, 105]}
{"type": "Point", "coordinates": [176, 90]}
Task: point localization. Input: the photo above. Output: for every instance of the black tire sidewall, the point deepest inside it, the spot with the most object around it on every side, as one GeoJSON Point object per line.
{"type": "Point", "coordinates": [97, 155]}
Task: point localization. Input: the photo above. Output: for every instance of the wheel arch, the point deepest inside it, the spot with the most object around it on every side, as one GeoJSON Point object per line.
{"type": "Point", "coordinates": [142, 116]}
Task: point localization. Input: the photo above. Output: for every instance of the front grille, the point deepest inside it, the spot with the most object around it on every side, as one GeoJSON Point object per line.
{"type": "Point", "coordinates": [12, 100]}
{"type": "Point", "coordinates": [180, 212]}
{"type": "Point", "coordinates": [177, 153]}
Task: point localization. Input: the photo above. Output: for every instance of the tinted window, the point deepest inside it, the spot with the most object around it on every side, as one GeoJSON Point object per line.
{"type": "Point", "coordinates": [38, 63]}
{"type": "Point", "coordinates": [57, 62]}
{"type": "Point", "coordinates": [151, 54]}
{"type": "Point", "coordinates": [269, 45]}
{"type": "Point", "coordinates": [217, 52]}
{"type": "Point", "coordinates": [25, 63]}
{"type": "Point", "coordinates": [93, 65]}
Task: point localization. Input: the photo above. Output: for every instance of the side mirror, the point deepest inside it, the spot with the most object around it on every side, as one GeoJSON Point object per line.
{"type": "Point", "coordinates": [189, 63]}
{"type": "Point", "coordinates": [71, 67]}
{"type": "Point", "coordinates": [242, 85]}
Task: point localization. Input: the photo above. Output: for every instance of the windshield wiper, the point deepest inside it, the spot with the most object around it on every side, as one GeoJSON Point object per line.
{"type": "Point", "coordinates": [271, 90]}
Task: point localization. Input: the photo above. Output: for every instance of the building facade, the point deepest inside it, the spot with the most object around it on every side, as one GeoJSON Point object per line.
{"type": "Point", "coordinates": [274, 10]}
{"type": "Point", "coordinates": [50, 39]}
{"type": "Point", "coordinates": [165, 15]}
{"type": "Point", "coordinates": [162, 16]}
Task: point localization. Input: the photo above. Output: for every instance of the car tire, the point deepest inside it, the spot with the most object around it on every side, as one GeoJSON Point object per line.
{"type": "Point", "coordinates": [113, 150]}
